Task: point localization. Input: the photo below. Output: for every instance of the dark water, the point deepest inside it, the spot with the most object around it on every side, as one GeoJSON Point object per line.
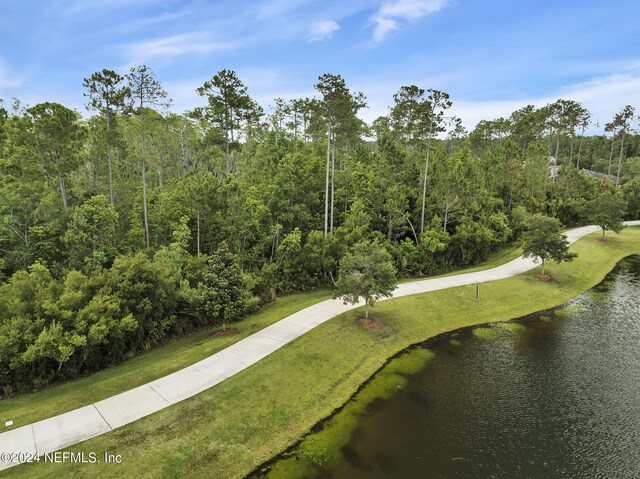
{"type": "Point", "coordinates": [556, 394]}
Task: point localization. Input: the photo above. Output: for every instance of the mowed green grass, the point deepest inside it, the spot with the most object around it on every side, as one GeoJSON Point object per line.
{"type": "Point", "coordinates": [228, 430]}
{"type": "Point", "coordinates": [166, 359]}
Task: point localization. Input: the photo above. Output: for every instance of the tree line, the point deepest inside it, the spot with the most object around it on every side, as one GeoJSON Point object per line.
{"type": "Point", "coordinates": [135, 224]}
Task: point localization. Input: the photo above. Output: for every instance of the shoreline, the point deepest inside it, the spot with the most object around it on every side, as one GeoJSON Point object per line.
{"type": "Point", "coordinates": [264, 468]}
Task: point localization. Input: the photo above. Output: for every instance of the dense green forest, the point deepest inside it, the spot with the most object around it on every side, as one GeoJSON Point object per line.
{"type": "Point", "coordinates": [135, 224]}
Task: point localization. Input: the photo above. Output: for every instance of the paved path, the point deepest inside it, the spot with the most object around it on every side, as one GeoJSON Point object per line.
{"type": "Point", "coordinates": [103, 416]}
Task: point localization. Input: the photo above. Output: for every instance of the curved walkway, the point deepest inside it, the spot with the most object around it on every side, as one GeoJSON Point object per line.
{"type": "Point", "coordinates": [103, 416]}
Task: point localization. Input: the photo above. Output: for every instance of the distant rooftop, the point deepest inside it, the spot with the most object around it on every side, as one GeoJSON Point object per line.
{"type": "Point", "coordinates": [600, 176]}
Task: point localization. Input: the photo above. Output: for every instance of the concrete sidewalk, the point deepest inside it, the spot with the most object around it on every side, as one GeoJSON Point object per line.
{"type": "Point", "coordinates": [86, 422]}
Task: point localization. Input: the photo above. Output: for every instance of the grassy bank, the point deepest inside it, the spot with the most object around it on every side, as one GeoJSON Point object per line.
{"type": "Point", "coordinates": [229, 429]}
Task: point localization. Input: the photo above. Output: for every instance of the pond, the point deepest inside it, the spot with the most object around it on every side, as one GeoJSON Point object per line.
{"type": "Point", "coordinates": [554, 394]}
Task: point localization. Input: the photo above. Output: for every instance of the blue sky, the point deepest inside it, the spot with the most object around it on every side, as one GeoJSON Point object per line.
{"type": "Point", "coordinates": [491, 56]}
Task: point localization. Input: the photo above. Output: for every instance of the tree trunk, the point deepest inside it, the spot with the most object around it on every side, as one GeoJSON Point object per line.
{"type": "Point", "coordinates": [544, 178]}
{"type": "Point", "coordinates": [304, 128]}
{"type": "Point", "coordinates": [620, 160]}
{"type": "Point", "coordinates": [144, 177]}
{"type": "Point", "coordinates": [613, 136]}
{"type": "Point", "coordinates": [333, 172]}
{"type": "Point", "coordinates": [542, 266]}
{"type": "Point", "coordinates": [413, 229]}
{"type": "Point", "coordinates": [226, 150]}
{"type": "Point", "coordinates": [326, 189]}
{"type": "Point", "coordinates": [63, 189]}
{"type": "Point", "coordinates": [366, 308]}
{"type": "Point", "coordinates": [144, 194]}
{"type": "Point", "coordinates": [61, 186]}
{"type": "Point", "coordinates": [183, 149]}
{"type": "Point", "coordinates": [446, 216]}
{"type": "Point", "coordinates": [579, 149]}
{"type": "Point", "coordinates": [571, 150]}
{"type": "Point", "coordinates": [109, 164]}
{"type": "Point", "coordinates": [198, 233]}
{"type": "Point", "coordinates": [556, 157]}
{"type": "Point", "coordinates": [232, 162]}
{"type": "Point", "coordinates": [424, 183]}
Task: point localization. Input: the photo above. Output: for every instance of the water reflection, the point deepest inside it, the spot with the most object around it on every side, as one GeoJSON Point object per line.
{"type": "Point", "coordinates": [555, 394]}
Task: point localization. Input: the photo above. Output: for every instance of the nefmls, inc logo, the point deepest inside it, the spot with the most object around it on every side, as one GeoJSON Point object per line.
{"type": "Point", "coordinates": [80, 457]}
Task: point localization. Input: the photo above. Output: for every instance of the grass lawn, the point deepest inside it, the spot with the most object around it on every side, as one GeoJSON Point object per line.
{"type": "Point", "coordinates": [228, 430]}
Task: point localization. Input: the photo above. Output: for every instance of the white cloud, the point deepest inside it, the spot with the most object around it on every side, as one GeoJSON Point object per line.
{"type": "Point", "coordinates": [280, 8]}
{"type": "Point", "coordinates": [393, 13]}
{"type": "Point", "coordinates": [183, 94]}
{"type": "Point", "coordinates": [602, 96]}
{"type": "Point", "coordinates": [137, 24]}
{"type": "Point", "coordinates": [323, 30]}
{"type": "Point", "coordinates": [261, 83]}
{"type": "Point", "coordinates": [176, 45]}
{"type": "Point", "coordinates": [74, 8]}
{"type": "Point", "coordinates": [605, 96]}
{"type": "Point", "coordinates": [260, 79]}
{"type": "Point", "coordinates": [8, 80]}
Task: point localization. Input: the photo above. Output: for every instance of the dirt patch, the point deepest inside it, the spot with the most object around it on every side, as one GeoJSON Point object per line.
{"type": "Point", "coordinates": [543, 277]}
{"type": "Point", "coordinates": [220, 332]}
{"type": "Point", "coordinates": [370, 323]}
{"type": "Point", "coordinates": [603, 241]}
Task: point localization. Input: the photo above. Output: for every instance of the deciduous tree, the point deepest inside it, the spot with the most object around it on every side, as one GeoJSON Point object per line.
{"type": "Point", "coordinates": [56, 136]}
{"type": "Point", "coordinates": [366, 272]}
{"type": "Point", "coordinates": [223, 290]}
{"type": "Point", "coordinates": [607, 211]}
{"type": "Point", "coordinates": [543, 239]}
